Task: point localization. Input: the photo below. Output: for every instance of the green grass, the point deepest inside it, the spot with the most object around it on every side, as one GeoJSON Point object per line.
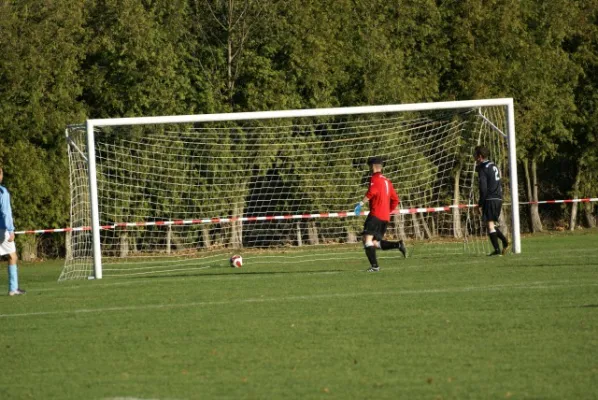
{"type": "Point", "coordinates": [519, 327]}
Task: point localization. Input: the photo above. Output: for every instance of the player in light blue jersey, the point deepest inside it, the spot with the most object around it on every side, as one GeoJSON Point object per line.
{"type": "Point", "coordinates": [7, 240]}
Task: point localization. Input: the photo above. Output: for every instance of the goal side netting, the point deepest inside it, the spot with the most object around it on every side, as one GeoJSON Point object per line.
{"type": "Point", "coordinates": [176, 195]}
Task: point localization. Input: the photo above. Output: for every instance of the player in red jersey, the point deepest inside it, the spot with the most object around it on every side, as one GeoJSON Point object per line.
{"type": "Point", "coordinates": [383, 199]}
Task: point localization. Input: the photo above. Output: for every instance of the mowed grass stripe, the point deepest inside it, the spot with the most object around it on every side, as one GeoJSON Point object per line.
{"type": "Point", "coordinates": [546, 285]}
{"type": "Point", "coordinates": [455, 327]}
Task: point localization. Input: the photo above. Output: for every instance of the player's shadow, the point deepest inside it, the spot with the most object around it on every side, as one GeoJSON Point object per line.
{"type": "Point", "coordinates": [582, 306]}
{"type": "Point", "coordinates": [236, 275]}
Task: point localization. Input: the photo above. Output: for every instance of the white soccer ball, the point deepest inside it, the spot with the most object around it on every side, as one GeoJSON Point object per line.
{"type": "Point", "coordinates": [236, 261]}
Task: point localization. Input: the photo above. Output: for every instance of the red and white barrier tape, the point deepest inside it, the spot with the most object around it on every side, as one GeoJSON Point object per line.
{"type": "Point", "coordinates": [341, 214]}
{"type": "Point", "coordinates": [586, 200]}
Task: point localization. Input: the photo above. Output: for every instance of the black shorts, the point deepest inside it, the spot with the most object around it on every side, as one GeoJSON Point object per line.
{"type": "Point", "coordinates": [375, 227]}
{"type": "Point", "coordinates": [491, 210]}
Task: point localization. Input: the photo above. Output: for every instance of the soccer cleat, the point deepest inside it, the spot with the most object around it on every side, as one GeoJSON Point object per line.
{"type": "Point", "coordinates": [505, 248]}
{"type": "Point", "coordinates": [373, 269]}
{"type": "Point", "coordinates": [402, 249]}
{"type": "Point", "coordinates": [496, 253]}
{"type": "Point", "coordinates": [17, 292]}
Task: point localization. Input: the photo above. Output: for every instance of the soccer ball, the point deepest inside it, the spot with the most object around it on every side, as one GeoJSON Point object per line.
{"type": "Point", "coordinates": [236, 261]}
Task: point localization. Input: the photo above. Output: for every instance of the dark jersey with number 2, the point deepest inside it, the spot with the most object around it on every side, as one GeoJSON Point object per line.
{"type": "Point", "coordinates": [489, 179]}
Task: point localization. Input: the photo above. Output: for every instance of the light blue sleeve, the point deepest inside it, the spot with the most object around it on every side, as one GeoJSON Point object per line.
{"type": "Point", "coordinates": [6, 220]}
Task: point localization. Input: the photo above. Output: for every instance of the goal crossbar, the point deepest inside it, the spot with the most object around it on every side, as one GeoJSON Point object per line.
{"type": "Point", "coordinates": [312, 112]}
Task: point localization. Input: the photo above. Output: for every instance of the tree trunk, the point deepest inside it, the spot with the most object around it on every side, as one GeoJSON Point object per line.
{"type": "Point", "coordinates": [427, 230]}
{"type": "Point", "coordinates": [575, 195]}
{"type": "Point", "coordinates": [502, 223]}
{"type": "Point", "coordinates": [229, 59]}
{"type": "Point", "coordinates": [312, 232]}
{"type": "Point", "coordinates": [400, 226]}
{"type": "Point", "coordinates": [237, 226]}
{"type": "Point", "coordinates": [179, 240]}
{"type": "Point", "coordinates": [68, 245]}
{"type": "Point", "coordinates": [299, 238]}
{"type": "Point", "coordinates": [29, 249]}
{"type": "Point", "coordinates": [205, 235]}
{"type": "Point", "coordinates": [532, 195]}
{"type": "Point", "coordinates": [573, 217]}
{"type": "Point", "coordinates": [528, 188]}
{"type": "Point", "coordinates": [590, 218]}
{"type": "Point", "coordinates": [457, 230]}
{"type": "Point", "coordinates": [229, 53]}
{"type": "Point", "coordinates": [416, 231]}
{"type": "Point", "coordinates": [169, 239]}
{"type": "Point", "coordinates": [351, 237]}
{"type": "Point", "coordinates": [124, 244]}
{"type": "Point", "coordinates": [536, 220]}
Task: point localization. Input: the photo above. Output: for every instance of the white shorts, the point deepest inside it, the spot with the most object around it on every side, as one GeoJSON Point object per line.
{"type": "Point", "coordinates": [6, 247]}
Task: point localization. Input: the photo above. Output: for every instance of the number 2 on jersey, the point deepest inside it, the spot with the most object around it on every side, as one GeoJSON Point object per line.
{"type": "Point", "coordinates": [496, 174]}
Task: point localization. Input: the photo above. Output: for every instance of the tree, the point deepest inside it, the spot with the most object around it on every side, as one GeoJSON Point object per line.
{"type": "Point", "coordinates": [396, 52]}
{"type": "Point", "coordinates": [545, 82]}
{"type": "Point", "coordinates": [134, 63]}
{"type": "Point", "coordinates": [40, 82]}
{"type": "Point", "coordinates": [226, 31]}
{"type": "Point", "coordinates": [583, 46]}
{"type": "Point", "coordinates": [512, 48]}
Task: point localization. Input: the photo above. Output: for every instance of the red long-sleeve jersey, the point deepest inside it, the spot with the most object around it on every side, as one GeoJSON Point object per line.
{"type": "Point", "coordinates": [382, 197]}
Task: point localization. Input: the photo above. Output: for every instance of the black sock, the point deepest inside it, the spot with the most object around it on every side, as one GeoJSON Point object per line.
{"type": "Point", "coordinates": [370, 251]}
{"type": "Point", "coordinates": [386, 245]}
{"type": "Point", "coordinates": [494, 240]}
{"type": "Point", "coordinates": [502, 237]}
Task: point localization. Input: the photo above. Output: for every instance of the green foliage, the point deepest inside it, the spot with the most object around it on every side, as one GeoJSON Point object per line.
{"type": "Point", "coordinates": [397, 52]}
{"type": "Point", "coordinates": [520, 57]}
{"type": "Point", "coordinates": [38, 183]}
{"type": "Point", "coordinates": [40, 77]}
{"type": "Point", "coordinates": [62, 62]}
{"type": "Point", "coordinates": [40, 82]}
{"type": "Point", "coordinates": [134, 62]}
{"type": "Point", "coordinates": [583, 47]}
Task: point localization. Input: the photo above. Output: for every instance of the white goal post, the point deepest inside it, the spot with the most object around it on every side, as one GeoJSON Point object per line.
{"type": "Point", "coordinates": [154, 195]}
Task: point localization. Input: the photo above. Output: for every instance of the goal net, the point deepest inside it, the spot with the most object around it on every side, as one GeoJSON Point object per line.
{"type": "Point", "coordinates": [160, 195]}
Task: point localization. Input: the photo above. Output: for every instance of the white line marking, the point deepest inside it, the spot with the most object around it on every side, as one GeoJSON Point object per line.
{"type": "Point", "coordinates": [528, 285]}
{"type": "Point", "coordinates": [130, 398]}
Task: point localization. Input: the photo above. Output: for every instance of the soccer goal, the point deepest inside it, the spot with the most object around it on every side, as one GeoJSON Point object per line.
{"type": "Point", "coordinates": [174, 194]}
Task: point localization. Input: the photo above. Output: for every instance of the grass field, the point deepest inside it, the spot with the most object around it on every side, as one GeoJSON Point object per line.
{"type": "Point", "coordinates": [465, 327]}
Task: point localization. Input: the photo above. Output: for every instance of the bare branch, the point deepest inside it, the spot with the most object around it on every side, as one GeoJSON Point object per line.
{"type": "Point", "coordinates": [215, 17]}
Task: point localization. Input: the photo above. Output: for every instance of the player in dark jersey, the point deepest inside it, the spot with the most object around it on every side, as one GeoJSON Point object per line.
{"type": "Point", "coordinates": [383, 199]}
{"type": "Point", "coordinates": [490, 202]}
